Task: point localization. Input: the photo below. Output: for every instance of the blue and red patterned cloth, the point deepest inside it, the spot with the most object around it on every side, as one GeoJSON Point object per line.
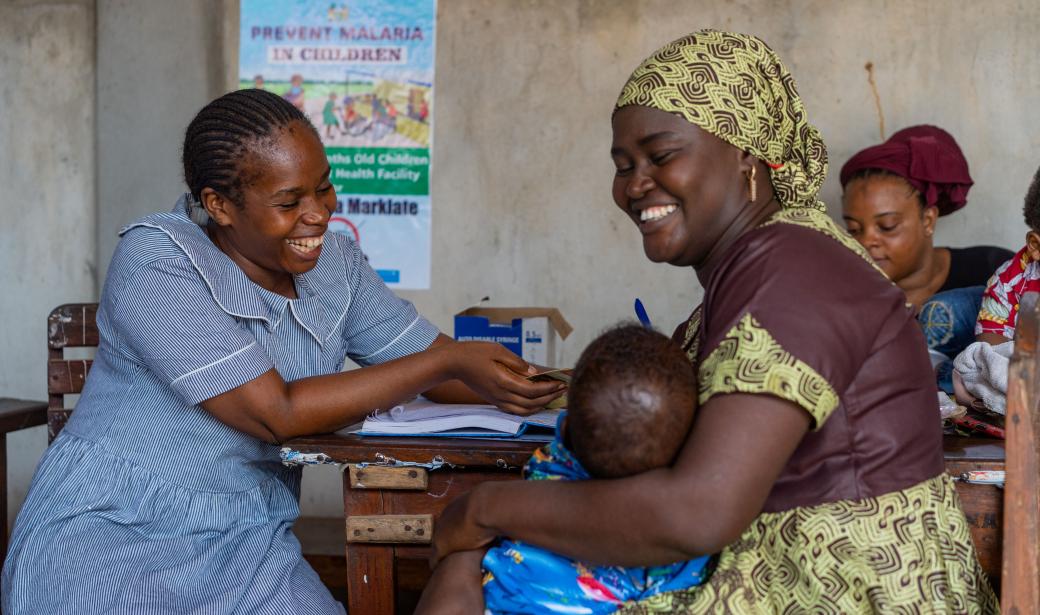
{"type": "Point", "coordinates": [521, 578]}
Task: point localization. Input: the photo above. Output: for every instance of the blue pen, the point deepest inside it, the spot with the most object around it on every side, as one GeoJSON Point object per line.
{"type": "Point", "coordinates": [642, 315]}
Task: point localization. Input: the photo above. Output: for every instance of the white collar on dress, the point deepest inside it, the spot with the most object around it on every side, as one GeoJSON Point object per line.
{"type": "Point", "coordinates": [239, 296]}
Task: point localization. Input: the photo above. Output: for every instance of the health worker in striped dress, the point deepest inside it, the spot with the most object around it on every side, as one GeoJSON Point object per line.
{"type": "Point", "coordinates": [224, 326]}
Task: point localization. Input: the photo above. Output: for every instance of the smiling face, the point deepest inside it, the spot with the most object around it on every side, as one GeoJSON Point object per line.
{"type": "Point", "coordinates": [276, 231]}
{"type": "Point", "coordinates": [682, 186]}
{"type": "Point", "coordinates": [884, 214]}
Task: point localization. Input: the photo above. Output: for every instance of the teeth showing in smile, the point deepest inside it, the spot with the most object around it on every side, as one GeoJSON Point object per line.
{"type": "Point", "coordinates": [656, 213]}
{"type": "Point", "coordinates": [305, 244]}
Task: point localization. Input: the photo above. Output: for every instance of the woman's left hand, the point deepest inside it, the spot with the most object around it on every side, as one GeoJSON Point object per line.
{"type": "Point", "coordinates": [455, 588]}
{"type": "Point", "coordinates": [457, 530]}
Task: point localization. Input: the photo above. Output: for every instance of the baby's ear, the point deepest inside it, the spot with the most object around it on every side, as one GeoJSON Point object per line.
{"type": "Point", "coordinates": [1033, 245]}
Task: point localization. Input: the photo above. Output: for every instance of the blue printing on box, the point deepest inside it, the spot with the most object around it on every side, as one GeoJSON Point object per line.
{"type": "Point", "coordinates": [479, 328]}
{"type": "Point", "coordinates": [390, 276]}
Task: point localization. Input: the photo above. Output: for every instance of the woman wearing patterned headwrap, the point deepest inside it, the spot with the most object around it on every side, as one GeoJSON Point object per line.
{"type": "Point", "coordinates": [814, 466]}
{"type": "Point", "coordinates": [894, 192]}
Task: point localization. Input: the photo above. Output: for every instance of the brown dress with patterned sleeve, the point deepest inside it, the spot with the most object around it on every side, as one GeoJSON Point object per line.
{"type": "Point", "coordinates": [863, 517]}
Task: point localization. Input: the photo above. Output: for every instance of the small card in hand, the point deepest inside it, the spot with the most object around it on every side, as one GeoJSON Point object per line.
{"type": "Point", "coordinates": [560, 375]}
{"type": "Point", "coordinates": [553, 374]}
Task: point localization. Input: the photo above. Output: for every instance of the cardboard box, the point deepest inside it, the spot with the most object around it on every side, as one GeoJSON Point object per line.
{"type": "Point", "coordinates": [529, 332]}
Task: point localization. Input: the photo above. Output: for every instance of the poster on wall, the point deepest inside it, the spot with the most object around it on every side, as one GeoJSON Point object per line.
{"type": "Point", "coordinates": [362, 71]}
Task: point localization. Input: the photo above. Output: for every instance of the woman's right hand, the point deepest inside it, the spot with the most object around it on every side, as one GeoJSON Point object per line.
{"type": "Point", "coordinates": [499, 376]}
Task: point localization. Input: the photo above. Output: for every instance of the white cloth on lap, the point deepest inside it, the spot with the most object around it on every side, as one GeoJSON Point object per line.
{"type": "Point", "coordinates": [983, 368]}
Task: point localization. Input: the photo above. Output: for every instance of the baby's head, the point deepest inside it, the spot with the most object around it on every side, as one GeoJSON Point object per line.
{"type": "Point", "coordinates": [630, 402]}
{"type": "Point", "coordinates": [1031, 209]}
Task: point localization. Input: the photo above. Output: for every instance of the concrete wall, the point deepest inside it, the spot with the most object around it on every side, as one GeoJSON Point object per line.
{"type": "Point", "coordinates": [158, 63]}
{"type": "Point", "coordinates": [47, 175]}
{"type": "Point", "coordinates": [522, 208]}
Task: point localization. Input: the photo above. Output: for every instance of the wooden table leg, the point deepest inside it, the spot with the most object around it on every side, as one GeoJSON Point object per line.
{"type": "Point", "coordinates": [370, 567]}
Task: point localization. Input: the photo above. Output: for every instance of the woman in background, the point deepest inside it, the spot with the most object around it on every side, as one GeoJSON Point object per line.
{"type": "Point", "coordinates": [893, 194]}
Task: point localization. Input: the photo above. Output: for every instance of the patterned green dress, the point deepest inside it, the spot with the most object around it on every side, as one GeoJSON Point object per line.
{"type": "Point", "coordinates": [863, 518]}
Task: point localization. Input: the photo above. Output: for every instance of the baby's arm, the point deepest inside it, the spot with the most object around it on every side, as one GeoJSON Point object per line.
{"type": "Point", "coordinates": [455, 587]}
{"type": "Point", "coordinates": [995, 339]}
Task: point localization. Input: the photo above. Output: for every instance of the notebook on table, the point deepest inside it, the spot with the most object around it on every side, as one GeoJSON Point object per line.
{"type": "Point", "coordinates": [422, 417]}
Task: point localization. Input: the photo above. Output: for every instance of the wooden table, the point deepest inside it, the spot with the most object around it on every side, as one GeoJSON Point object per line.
{"type": "Point", "coordinates": [983, 504]}
{"type": "Point", "coordinates": [15, 414]}
{"type": "Point", "coordinates": [389, 511]}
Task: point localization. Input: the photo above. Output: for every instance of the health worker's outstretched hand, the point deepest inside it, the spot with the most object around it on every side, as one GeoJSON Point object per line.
{"type": "Point", "coordinates": [499, 376]}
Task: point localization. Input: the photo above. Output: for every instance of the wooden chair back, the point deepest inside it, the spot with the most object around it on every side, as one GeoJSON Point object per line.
{"type": "Point", "coordinates": [73, 325]}
{"type": "Point", "coordinates": [1020, 578]}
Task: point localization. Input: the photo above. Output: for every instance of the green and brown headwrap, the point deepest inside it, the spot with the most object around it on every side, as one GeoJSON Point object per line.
{"type": "Point", "coordinates": [735, 87]}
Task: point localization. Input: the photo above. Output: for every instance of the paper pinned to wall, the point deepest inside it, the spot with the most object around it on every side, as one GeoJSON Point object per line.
{"type": "Point", "coordinates": [363, 72]}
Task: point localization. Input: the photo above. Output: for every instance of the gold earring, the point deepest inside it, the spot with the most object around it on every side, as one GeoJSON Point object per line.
{"type": "Point", "coordinates": [752, 188]}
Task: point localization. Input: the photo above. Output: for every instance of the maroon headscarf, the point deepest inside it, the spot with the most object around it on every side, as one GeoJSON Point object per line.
{"type": "Point", "coordinates": [925, 156]}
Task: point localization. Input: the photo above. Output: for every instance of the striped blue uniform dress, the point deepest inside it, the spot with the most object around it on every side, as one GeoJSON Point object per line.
{"type": "Point", "coordinates": [147, 504]}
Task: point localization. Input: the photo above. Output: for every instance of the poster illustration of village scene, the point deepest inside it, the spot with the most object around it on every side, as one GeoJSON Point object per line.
{"type": "Point", "coordinates": [362, 71]}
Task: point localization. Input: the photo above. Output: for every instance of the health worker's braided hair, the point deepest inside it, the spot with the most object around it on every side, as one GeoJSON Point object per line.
{"type": "Point", "coordinates": [225, 130]}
